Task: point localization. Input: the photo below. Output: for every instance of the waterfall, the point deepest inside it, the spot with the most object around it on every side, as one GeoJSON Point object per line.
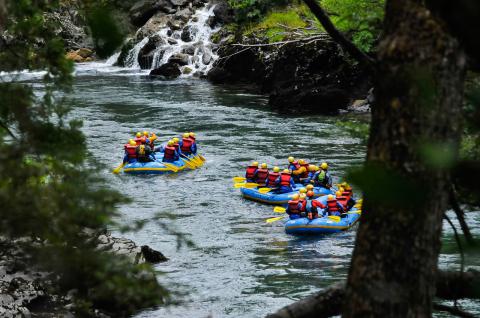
{"type": "Point", "coordinates": [189, 46]}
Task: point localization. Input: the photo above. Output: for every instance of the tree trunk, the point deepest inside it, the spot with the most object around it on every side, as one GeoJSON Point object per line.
{"type": "Point", "coordinates": [419, 90]}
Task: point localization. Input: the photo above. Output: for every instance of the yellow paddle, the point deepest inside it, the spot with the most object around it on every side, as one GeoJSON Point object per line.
{"type": "Point", "coordinates": [264, 190]}
{"type": "Point", "coordinates": [170, 166]}
{"type": "Point", "coordinates": [189, 164]}
{"type": "Point", "coordinates": [202, 158]}
{"type": "Point", "coordinates": [245, 185]}
{"type": "Point", "coordinates": [279, 209]}
{"type": "Point", "coordinates": [335, 218]}
{"type": "Point", "coordinates": [198, 160]}
{"type": "Point", "coordinates": [117, 169]}
{"type": "Point", "coordinates": [274, 219]}
{"type": "Point", "coordinates": [239, 179]}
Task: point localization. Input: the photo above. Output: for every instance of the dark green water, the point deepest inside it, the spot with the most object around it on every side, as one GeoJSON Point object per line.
{"type": "Point", "coordinates": [240, 266]}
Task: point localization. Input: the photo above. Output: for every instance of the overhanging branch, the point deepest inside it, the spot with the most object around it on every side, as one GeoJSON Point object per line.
{"type": "Point", "coordinates": [337, 36]}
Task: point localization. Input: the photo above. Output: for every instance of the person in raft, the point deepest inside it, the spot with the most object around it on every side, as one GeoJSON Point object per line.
{"type": "Point", "coordinates": [151, 139]}
{"type": "Point", "coordinates": [311, 206]}
{"type": "Point", "coordinates": [293, 164]}
{"type": "Point", "coordinates": [333, 207]}
{"type": "Point", "coordinates": [170, 153]}
{"type": "Point", "coordinates": [141, 138]}
{"type": "Point", "coordinates": [285, 181]}
{"type": "Point", "coordinates": [262, 175]}
{"type": "Point", "coordinates": [144, 153]}
{"type": "Point", "coordinates": [130, 152]}
{"type": "Point", "coordinates": [187, 145]}
{"type": "Point", "coordinates": [302, 172]}
{"type": "Point", "coordinates": [194, 139]}
{"type": "Point", "coordinates": [251, 173]}
{"type": "Point", "coordinates": [347, 195]}
{"type": "Point", "coordinates": [294, 207]}
{"type": "Point", "coordinates": [272, 178]}
{"type": "Point", "coordinates": [312, 169]}
{"type": "Point", "coordinates": [322, 177]}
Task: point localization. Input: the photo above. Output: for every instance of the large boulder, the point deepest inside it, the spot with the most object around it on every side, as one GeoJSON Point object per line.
{"type": "Point", "coordinates": [179, 3]}
{"type": "Point", "coordinates": [146, 53]}
{"type": "Point", "coordinates": [143, 10]}
{"type": "Point", "coordinates": [179, 58]}
{"type": "Point", "coordinates": [188, 33]}
{"type": "Point", "coordinates": [184, 15]}
{"type": "Point", "coordinates": [156, 23]}
{"type": "Point", "coordinates": [222, 14]}
{"type": "Point", "coordinates": [168, 70]}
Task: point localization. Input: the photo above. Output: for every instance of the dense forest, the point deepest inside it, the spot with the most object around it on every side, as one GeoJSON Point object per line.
{"type": "Point", "coordinates": [409, 67]}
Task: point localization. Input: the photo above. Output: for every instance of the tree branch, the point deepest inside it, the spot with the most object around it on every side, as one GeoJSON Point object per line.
{"type": "Point", "coordinates": [327, 303]}
{"type": "Point", "coordinates": [310, 38]}
{"type": "Point", "coordinates": [337, 36]}
{"type": "Point", "coordinates": [4, 126]}
{"type": "Point", "coordinates": [453, 310]}
{"type": "Point", "coordinates": [460, 216]}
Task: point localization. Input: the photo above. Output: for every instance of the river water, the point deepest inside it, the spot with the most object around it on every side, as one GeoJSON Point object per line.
{"type": "Point", "coordinates": [240, 266]}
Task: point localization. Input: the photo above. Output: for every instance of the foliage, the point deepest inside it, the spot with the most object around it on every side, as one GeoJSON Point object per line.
{"type": "Point", "coordinates": [356, 129]}
{"type": "Point", "coordinates": [248, 11]}
{"type": "Point", "coordinates": [46, 190]}
{"type": "Point", "coordinates": [362, 19]}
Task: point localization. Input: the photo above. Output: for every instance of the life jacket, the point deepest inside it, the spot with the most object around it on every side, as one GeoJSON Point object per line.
{"type": "Point", "coordinates": [295, 165]}
{"type": "Point", "coordinates": [272, 177]}
{"type": "Point", "coordinates": [305, 173]}
{"type": "Point", "coordinates": [140, 140]}
{"type": "Point", "coordinates": [187, 146]}
{"type": "Point", "coordinates": [141, 151]}
{"type": "Point", "coordinates": [321, 176]}
{"type": "Point", "coordinates": [304, 203]}
{"type": "Point", "coordinates": [169, 153]}
{"type": "Point", "coordinates": [250, 173]}
{"type": "Point", "coordinates": [131, 151]}
{"type": "Point", "coordinates": [285, 179]}
{"type": "Point", "coordinates": [343, 199]}
{"type": "Point", "coordinates": [293, 206]}
{"type": "Point", "coordinates": [176, 146]}
{"type": "Point", "coordinates": [262, 175]}
{"type": "Point", "coordinates": [348, 193]}
{"type": "Point", "coordinates": [193, 138]}
{"type": "Point", "coordinates": [332, 205]}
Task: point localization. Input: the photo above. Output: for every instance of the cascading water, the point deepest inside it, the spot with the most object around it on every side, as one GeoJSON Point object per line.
{"type": "Point", "coordinates": [189, 47]}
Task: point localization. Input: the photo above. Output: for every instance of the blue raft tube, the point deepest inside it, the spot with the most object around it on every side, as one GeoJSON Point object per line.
{"type": "Point", "coordinates": [279, 198]}
{"type": "Point", "coordinates": [322, 225]}
{"type": "Point", "coordinates": [153, 167]}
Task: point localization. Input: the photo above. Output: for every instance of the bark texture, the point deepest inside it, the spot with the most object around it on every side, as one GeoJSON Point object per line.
{"type": "Point", "coordinates": [419, 89]}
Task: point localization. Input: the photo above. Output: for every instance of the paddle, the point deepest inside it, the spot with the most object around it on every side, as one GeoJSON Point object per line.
{"type": "Point", "coordinates": [117, 169]}
{"type": "Point", "coordinates": [202, 158]}
{"type": "Point", "coordinates": [171, 166]}
{"type": "Point", "coordinates": [190, 161]}
{"type": "Point", "coordinates": [279, 209]}
{"type": "Point", "coordinates": [239, 179]}
{"type": "Point", "coordinates": [189, 164]}
{"type": "Point", "coordinates": [198, 160]}
{"type": "Point", "coordinates": [274, 219]}
{"type": "Point", "coordinates": [335, 218]}
{"type": "Point", "coordinates": [264, 190]}
{"type": "Point", "coordinates": [245, 185]}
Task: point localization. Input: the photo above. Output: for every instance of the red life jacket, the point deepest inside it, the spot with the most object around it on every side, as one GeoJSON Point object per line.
{"type": "Point", "coordinates": [305, 173]}
{"type": "Point", "coordinates": [293, 206]}
{"type": "Point", "coordinates": [342, 200]}
{"type": "Point", "coordinates": [285, 179]}
{"type": "Point", "coordinates": [169, 153]}
{"type": "Point", "coordinates": [304, 204]}
{"type": "Point", "coordinates": [295, 164]}
{"type": "Point", "coordinates": [140, 140]}
{"type": "Point", "coordinates": [332, 205]}
{"type": "Point", "coordinates": [250, 174]}
{"type": "Point", "coordinates": [193, 138]}
{"type": "Point", "coordinates": [318, 204]}
{"type": "Point", "coordinates": [187, 146]}
{"type": "Point", "coordinates": [131, 151]}
{"type": "Point", "coordinates": [348, 193]}
{"type": "Point", "coordinates": [272, 177]}
{"type": "Point", "coordinates": [176, 146]}
{"type": "Point", "coordinates": [262, 175]}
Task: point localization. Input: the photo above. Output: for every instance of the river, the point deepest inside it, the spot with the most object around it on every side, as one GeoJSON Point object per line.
{"type": "Point", "coordinates": [240, 266]}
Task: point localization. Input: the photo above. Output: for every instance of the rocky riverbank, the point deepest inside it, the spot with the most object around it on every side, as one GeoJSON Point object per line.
{"type": "Point", "coordinates": [27, 291]}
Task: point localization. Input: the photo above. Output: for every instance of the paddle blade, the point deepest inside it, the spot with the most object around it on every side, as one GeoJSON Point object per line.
{"type": "Point", "coordinates": [239, 185]}
{"type": "Point", "coordinates": [279, 209]}
{"type": "Point", "coordinates": [251, 185]}
{"type": "Point", "coordinates": [239, 179]}
{"type": "Point", "coordinates": [202, 158]}
{"type": "Point", "coordinates": [264, 190]}
{"type": "Point", "coordinates": [334, 218]}
{"type": "Point", "coordinates": [189, 164]}
{"type": "Point", "coordinates": [170, 166]}
{"type": "Point", "coordinates": [117, 169]}
{"type": "Point", "coordinates": [271, 220]}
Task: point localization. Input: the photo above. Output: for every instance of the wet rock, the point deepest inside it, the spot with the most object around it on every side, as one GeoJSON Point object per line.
{"type": "Point", "coordinates": [222, 14]}
{"type": "Point", "coordinates": [206, 57]}
{"type": "Point", "coordinates": [172, 41]}
{"type": "Point", "coordinates": [175, 25]}
{"type": "Point", "coordinates": [179, 3]}
{"type": "Point", "coordinates": [122, 58]}
{"type": "Point", "coordinates": [156, 23]}
{"type": "Point", "coordinates": [184, 15]}
{"type": "Point", "coordinates": [146, 53]}
{"type": "Point", "coordinates": [143, 10]}
{"type": "Point", "coordinates": [152, 256]}
{"type": "Point", "coordinates": [168, 70]}
{"type": "Point", "coordinates": [70, 26]}
{"type": "Point", "coordinates": [80, 55]}
{"type": "Point", "coordinates": [190, 50]}
{"type": "Point", "coordinates": [179, 58]}
{"type": "Point", "coordinates": [188, 33]}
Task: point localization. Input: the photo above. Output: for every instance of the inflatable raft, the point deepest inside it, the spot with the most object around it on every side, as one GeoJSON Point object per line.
{"type": "Point", "coordinates": [154, 167]}
{"type": "Point", "coordinates": [278, 198]}
{"type": "Point", "coordinates": [322, 225]}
